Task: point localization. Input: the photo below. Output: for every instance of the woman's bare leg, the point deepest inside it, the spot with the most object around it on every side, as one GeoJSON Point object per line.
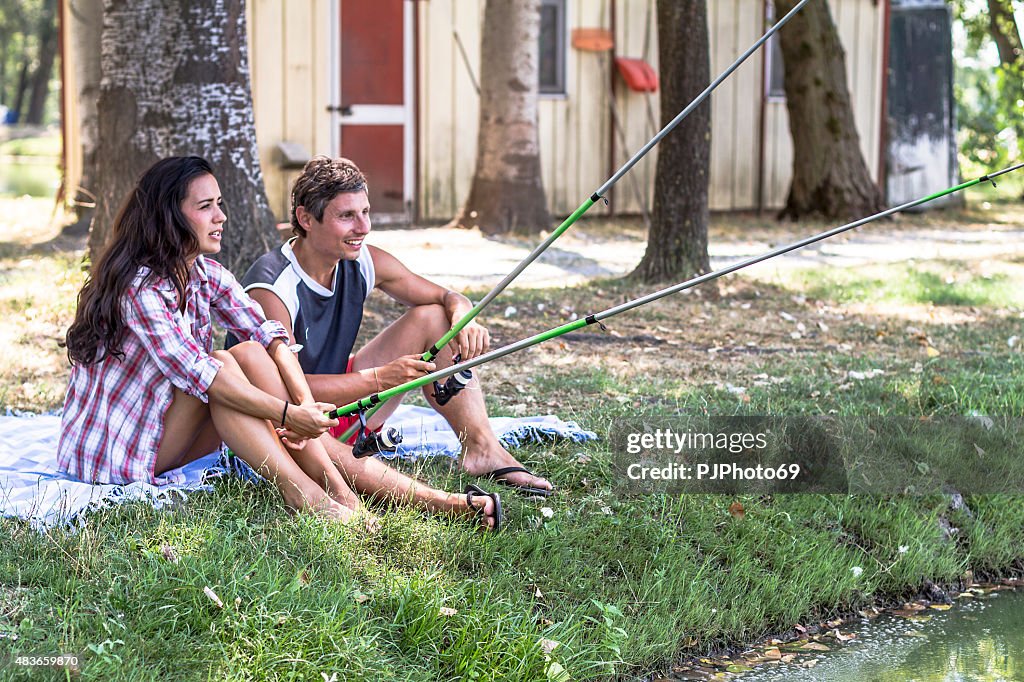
{"type": "Point", "coordinates": [192, 429]}
{"type": "Point", "coordinates": [367, 475]}
{"type": "Point", "coordinates": [380, 481]}
{"type": "Point", "coordinates": [261, 371]}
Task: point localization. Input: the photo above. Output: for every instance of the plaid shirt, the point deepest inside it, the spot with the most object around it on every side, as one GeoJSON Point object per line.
{"type": "Point", "coordinates": [114, 409]}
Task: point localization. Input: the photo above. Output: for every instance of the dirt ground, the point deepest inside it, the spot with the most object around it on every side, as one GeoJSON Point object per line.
{"type": "Point", "coordinates": [718, 335]}
{"type": "Point", "coordinates": [605, 248]}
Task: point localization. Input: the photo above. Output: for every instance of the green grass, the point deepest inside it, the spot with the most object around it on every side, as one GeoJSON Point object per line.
{"type": "Point", "coordinates": [935, 283]}
{"type": "Point", "coordinates": [46, 145]}
{"type": "Point", "coordinates": [625, 583]}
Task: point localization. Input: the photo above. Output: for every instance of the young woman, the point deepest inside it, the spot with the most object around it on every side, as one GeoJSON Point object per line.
{"type": "Point", "coordinates": [148, 394]}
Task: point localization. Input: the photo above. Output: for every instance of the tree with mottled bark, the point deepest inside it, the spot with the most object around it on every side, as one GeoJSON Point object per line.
{"type": "Point", "coordinates": [507, 193]}
{"type": "Point", "coordinates": [677, 245]}
{"type": "Point", "coordinates": [176, 83]}
{"type": "Point", "coordinates": [86, 17]}
{"type": "Point", "coordinates": [830, 177]}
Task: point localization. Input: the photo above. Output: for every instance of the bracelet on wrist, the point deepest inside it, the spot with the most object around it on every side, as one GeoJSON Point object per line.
{"type": "Point", "coordinates": [284, 413]}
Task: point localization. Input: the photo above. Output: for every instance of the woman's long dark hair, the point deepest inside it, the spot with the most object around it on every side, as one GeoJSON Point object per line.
{"type": "Point", "coordinates": [150, 231]}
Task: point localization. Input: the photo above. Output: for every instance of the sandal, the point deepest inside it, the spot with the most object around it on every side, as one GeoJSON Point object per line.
{"type": "Point", "coordinates": [473, 490]}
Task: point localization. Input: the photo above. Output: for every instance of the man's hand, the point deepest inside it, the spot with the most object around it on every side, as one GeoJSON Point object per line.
{"type": "Point", "coordinates": [473, 340]}
{"type": "Point", "coordinates": [404, 369]}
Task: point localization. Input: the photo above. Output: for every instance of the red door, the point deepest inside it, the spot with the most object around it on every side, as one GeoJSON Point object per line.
{"type": "Point", "coordinates": [376, 100]}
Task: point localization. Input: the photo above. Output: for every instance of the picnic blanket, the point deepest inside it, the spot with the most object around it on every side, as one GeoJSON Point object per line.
{"type": "Point", "coordinates": [31, 488]}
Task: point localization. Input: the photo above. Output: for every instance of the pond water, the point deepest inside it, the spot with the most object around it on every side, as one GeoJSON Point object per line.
{"type": "Point", "coordinates": [978, 640]}
{"type": "Point", "coordinates": [33, 175]}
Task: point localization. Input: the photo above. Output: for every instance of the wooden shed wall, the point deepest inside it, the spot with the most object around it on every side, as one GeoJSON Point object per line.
{"type": "Point", "coordinates": [290, 54]}
{"type": "Point", "coordinates": [577, 128]}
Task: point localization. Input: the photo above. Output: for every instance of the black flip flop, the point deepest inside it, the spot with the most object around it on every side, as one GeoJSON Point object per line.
{"type": "Point", "coordinates": [473, 490]}
{"type": "Point", "coordinates": [526, 489]}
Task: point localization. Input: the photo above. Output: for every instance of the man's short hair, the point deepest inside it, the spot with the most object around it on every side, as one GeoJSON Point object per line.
{"type": "Point", "coordinates": [321, 180]}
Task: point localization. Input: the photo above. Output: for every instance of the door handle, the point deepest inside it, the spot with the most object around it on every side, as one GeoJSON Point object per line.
{"type": "Point", "coordinates": [343, 109]}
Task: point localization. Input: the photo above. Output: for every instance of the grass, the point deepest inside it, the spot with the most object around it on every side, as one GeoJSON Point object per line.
{"type": "Point", "coordinates": [625, 583]}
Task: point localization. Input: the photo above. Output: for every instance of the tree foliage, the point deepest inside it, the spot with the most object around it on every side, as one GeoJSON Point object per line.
{"type": "Point", "coordinates": [28, 46]}
{"type": "Point", "coordinates": [990, 82]}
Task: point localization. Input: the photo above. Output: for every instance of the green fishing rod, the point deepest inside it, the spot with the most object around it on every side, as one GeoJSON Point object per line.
{"type": "Point", "coordinates": [596, 318]}
{"type": "Point", "coordinates": [444, 392]}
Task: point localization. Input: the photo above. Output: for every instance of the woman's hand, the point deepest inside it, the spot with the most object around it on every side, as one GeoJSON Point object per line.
{"type": "Point", "coordinates": [307, 421]}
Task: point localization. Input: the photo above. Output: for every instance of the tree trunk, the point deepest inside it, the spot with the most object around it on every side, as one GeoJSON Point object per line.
{"type": "Point", "coordinates": [1004, 31]}
{"type": "Point", "coordinates": [41, 77]}
{"type": "Point", "coordinates": [507, 193]}
{"type": "Point", "coordinates": [830, 178]}
{"type": "Point", "coordinates": [677, 246]}
{"type": "Point", "coordinates": [176, 83]}
{"type": "Point", "coordinates": [19, 93]}
{"type": "Point", "coordinates": [86, 17]}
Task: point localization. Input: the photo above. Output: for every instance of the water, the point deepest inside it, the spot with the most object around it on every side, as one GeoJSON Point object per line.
{"type": "Point", "coordinates": [32, 175]}
{"type": "Point", "coordinates": [976, 641]}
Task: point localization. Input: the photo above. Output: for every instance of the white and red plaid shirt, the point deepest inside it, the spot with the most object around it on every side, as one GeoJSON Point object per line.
{"type": "Point", "coordinates": [114, 410]}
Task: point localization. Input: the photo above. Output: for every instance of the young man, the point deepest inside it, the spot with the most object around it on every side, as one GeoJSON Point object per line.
{"type": "Point", "coordinates": [316, 284]}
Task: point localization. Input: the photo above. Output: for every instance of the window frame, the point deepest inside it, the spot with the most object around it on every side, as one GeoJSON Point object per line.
{"type": "Point", "coordinates": [558, 88]}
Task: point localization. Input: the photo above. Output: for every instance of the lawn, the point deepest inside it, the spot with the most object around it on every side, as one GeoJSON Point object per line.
{"type": "Point", "coordinates": [597, 581]}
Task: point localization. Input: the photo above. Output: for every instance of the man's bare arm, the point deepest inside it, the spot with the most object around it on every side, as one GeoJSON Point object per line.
{"type": "Point", "coordinates": [348, 387]}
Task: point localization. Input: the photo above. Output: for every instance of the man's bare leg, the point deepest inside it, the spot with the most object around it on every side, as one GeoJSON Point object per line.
{"type": "Point", "coordinates": [379, 481]}
{"type": "Point", "coordinates": [415, 332]}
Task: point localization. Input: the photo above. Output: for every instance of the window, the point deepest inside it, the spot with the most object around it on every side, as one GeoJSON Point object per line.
{"type": "Point", "coordinates": [774, 82]}
{"type": "Point", "coordinates": [552, 47]}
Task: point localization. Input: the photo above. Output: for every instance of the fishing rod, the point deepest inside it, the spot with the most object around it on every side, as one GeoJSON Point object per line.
{"type": "Point", "coordinates": [445, 392]}
{"type": "Point", "coordinates": [390, 435]}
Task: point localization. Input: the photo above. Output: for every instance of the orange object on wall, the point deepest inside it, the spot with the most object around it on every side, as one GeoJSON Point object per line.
{"type": "Point", "coordinates": [638, 74]}
{"type": "Point", "coordinates": [592, 39]}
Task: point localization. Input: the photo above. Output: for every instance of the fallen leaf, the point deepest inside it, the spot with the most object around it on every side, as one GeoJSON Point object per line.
{"type": "Point", "coordinates": [932, 352]}
{"type": "Point", "coordinates": [815, 646]}
{"type": "Point", "coordinates": [940, 607]}
{"type": "Point", "coordinates": [447, 611]}
{"type": "Point", "coordinates": [737, 511]}
{"type": "Point", "coordinates": [360, 598]}
{"type": "Point", "coordinates": [538, 594]}
{"type": "Point", "coordinates": [213, 597]}
{"type": "Point", "coordinates": [556, 673]}
{"type": "Point", "coordinates": [168, 552]}
{"type": "Point", "coordinates": [773, 653]}
{"type": "Point", "coordinates": [547, 645]}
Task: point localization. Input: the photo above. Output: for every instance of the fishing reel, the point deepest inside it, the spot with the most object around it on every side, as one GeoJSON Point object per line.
{"type": "Point", "coordinates": [453, 384]}
{"type": "Point", "coordinates": [370, 443]}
